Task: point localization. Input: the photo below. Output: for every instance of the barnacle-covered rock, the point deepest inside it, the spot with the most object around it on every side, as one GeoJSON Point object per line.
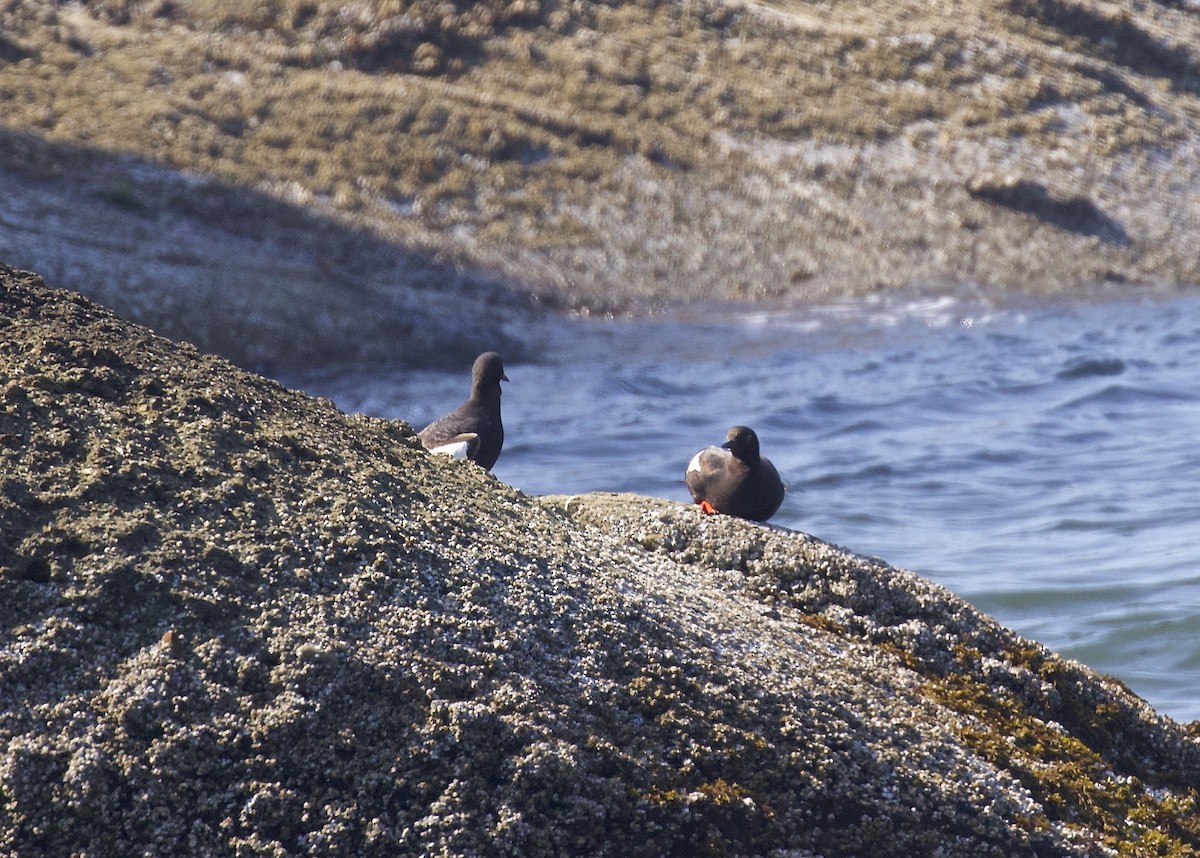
{"type": "Point", "coordinates": [234, 620]}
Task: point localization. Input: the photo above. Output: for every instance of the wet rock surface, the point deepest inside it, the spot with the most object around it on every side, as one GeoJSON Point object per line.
{"type": "Point", "coordinates": [234, 620]}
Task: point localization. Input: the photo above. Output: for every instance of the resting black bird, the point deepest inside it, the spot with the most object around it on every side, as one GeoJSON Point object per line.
{"type": "Point", "coordinates": [734, 479]}
{"type": "Point", "coordinates": [473, 430]}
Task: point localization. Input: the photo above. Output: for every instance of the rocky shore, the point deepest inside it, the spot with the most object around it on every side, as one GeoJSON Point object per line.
{"type": "Point", "coordinates": [374, 173]}
{"type": "Point", "coordinates": [235, 621]}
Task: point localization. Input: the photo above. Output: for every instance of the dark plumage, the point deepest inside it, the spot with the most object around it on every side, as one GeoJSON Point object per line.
{"type": "Point", "coordinates": [473, 430]}
{"type": "Point", "coordinates": [734, 479]}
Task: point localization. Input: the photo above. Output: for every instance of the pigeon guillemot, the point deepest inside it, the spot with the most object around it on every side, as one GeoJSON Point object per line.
{"type": "Point", "coordinates": [734, 479]}
{"type": "Point", "coordinates": [473, 430]}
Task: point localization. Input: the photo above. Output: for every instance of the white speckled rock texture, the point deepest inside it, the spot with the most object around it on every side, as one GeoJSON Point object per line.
{"type": "Point", "coordinates": [235, 621]}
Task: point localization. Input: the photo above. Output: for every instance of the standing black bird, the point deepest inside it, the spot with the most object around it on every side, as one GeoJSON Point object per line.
{"type": "Point", "coordinates": [473, 430]}
{"type": "Point", "coordinates": [734, 479]}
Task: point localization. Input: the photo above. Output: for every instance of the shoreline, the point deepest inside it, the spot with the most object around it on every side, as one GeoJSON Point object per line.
{"type": "Point", "coordinates": [516, 162]}
{"type": "Point", "coordinates": [244, 294]}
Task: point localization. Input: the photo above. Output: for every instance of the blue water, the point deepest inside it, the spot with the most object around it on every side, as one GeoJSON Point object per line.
{"type": "Point", "coordinates": [1041, 460]}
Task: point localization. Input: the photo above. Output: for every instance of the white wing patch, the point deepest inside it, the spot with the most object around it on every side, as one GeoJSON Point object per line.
{"type": "Point", "coordinates": [463, 446]}
{"type": "Point", "coordinates": [455, 449]}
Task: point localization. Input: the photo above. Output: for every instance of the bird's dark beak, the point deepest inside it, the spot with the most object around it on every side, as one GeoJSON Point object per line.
{"type": "Point", "coordinates": [728, 445]}
{"type": "Point", "coordinates": [503, 377]}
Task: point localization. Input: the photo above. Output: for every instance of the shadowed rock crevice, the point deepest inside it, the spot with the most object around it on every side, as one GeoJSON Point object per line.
{"type": "Point", "coordinates": [1073, 213]}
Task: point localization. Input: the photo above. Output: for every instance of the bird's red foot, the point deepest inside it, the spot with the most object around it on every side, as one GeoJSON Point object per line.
{"type": "Point", "coordinates": [707, 508]}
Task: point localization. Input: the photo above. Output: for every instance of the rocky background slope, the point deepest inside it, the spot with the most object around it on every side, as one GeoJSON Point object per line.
{"type": "Point", "coordinates": [234, 620]}
{"type": "Point", "coordinates": [378, 170]}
